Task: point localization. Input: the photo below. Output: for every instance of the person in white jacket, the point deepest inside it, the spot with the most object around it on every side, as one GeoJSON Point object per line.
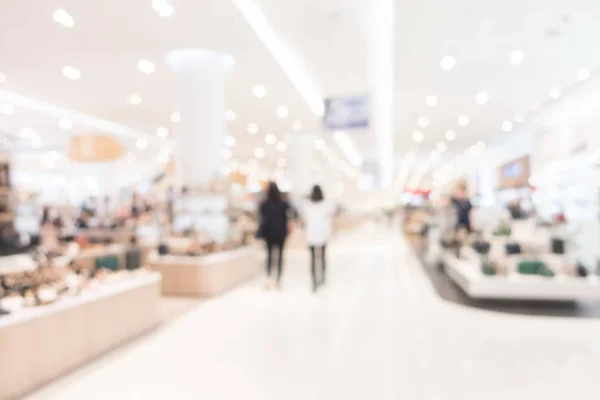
{"type": "Point", "coordinates": [317, 215]}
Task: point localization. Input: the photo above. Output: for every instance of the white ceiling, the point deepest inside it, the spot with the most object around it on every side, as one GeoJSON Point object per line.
{"type": "Point", "coordinates": [109, 37]}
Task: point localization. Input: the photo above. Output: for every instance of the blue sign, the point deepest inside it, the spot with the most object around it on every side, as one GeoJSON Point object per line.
{"type": "Point", "coordinates": [346, 113]}
{"type": "Point", "coordinates": [513, 170]}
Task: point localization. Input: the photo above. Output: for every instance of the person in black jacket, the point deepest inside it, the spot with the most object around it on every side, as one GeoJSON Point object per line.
{"type": "Point", "coordinates": [273, 228]}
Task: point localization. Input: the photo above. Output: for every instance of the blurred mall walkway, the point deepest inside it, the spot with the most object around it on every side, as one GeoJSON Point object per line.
{"type": "Point", "coordinates": [377, 331]}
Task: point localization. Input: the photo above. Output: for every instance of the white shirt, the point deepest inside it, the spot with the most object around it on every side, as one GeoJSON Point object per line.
{"type": "Point", "coordinates": [317, 222]}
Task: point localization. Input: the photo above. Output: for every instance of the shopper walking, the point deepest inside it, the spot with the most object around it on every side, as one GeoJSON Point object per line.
{"type": "Point", "coordinates": [317, 215]}
{"type": "Point", "coordinates": [463, 208]}
{"type": "Point", "coordinates": [273, 228]}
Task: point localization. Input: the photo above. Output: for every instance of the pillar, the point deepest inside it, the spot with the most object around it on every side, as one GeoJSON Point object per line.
{"type": "Point", "coordinates": [201, 102]}
{"type": "Point", "coordinates": [201, 132]}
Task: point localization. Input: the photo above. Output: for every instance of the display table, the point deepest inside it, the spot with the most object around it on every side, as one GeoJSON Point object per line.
{"type": "Point", "coordinates": [206, 275]}
{"type": "Point", "coordinates": [87, 257]}
{"type": "Point", "coordinates": [119, 236]}
{"type": "Point", "coordinates": [466, 273]}
{"type": "Point", "coordinates": [39, 344]}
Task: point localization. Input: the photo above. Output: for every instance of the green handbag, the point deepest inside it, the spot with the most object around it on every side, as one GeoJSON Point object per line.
{"type": "Point", "coordinates": [110, 262]}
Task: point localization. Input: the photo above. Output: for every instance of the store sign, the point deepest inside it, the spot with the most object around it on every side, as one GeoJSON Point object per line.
{"type": "Point", "coordinates": [346, 113]}
{"type": "Point", "coordinates": [515, 174]}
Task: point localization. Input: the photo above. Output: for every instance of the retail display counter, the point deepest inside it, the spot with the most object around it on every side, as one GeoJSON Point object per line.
{"type": "Point", "coordinates": [466, 273]}
{"type": "Point", "coordinates": [87, 257]}
{"type": "Point", "coordinates": [206, 275]}
{"type": "Point", "coordinates": [39, 344]}
{"type": "Point", "coordinates": [120, 236]}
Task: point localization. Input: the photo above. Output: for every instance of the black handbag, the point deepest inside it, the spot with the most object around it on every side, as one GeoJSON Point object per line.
{"type": "Point", "coordinates": [481, 247]}
{"type": "Point", "coordinates": [558, 246]}
{"type": "Point", "coordinates": [581, 271]}
{"type": "Point", "coordinates": [133, 259]}
{"type": "Point", "coordinates": [512, 248]}
{"type": "Point", "coordinates": [163, 249]}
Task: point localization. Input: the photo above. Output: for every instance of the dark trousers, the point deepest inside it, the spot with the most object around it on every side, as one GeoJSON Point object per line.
{"type": "Point", "coordinates": [270, 246]}
{"type": "Point", "coordinates": [313, 263]}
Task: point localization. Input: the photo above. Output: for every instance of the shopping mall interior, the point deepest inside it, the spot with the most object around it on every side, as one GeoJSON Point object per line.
{"type": "Point", "coordinates": [266, 200]}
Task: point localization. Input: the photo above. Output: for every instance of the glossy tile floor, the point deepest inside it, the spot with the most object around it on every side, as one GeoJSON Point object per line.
{"type": "Point", "coordinates": [377, 331]}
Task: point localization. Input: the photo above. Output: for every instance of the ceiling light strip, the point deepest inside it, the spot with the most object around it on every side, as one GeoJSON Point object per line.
{"type": "Point", "coordinates": [97, 124]}
{"type": "Point", "coordinates": [293, 65]}
{"type": "Point", "coordinates": [350, 151]}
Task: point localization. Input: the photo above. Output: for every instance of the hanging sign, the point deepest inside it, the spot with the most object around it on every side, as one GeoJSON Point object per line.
{"type": "Point", "coordinates": [346, 113]}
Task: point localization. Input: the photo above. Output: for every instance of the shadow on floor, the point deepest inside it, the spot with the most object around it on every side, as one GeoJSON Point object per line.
{"type": "Point", "coordinates": [449, 291]}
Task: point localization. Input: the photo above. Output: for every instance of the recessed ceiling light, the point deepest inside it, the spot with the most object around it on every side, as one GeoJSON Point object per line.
{"type": "Point", "coordinates": [230, 141]}
{"type": "Point", "coordinates": [230, 115]}
{"type": "Point", "coordinates": [65, 123]}
{"type": "Point", "coordinates": [418, 136]}
{"type": "Point", "coordinates": [555, 93]}
{"type": "Point", "coordinates": [507, 126]}
{"type": "Point", "coordinates": [259, 91]}
{"type": "Point", "coordinates": [281, 162]}
{"type": "Point", "coordinates": [162, 132]}
{"type": "Point", "coordinates": [434, 154]}
{"type": "Point", "coordinates": [175, 117]}
{"type": "Point", "coordinates": [252, 128]}
{"type": "Point", "coordinates": [134, 99]}
{"type": "Point", "coordinates": [282, 146]}
{"type": "Point", "coordinates": [270, 138]}
{"type": "Point", "coordinates": [450, 135]}
{"type": "Point", "coordinates": [481, 145]}
{"type": "Point", "coordinates": [516, 57]}
{"type": "Point", "coordinates": [259, 153]}
{"type": "Point", "coordinates": [162, 7]}
{"type": "Point", "coordinates": [63, 18]}
{"type": "Point", "coordinates": [423, 122]}
{"type": "Point", "coordinates": [282, 112]}
{"type": "Point", "coordinates": [447, 63]}
{"type": "Point", "coordinates": [431, 100]}
{"type": "Point", "coordinates": [71, 73]}
{"type": "Point", "coordinates": [482, 98]}
{"type": "Point", "coordinates": [226, 154]}
{"type": "Point", "coordinates": [297, 125]}
{"type": "Point", "coordinates": [141, 143]}
{"type": "Point", "coordinates": [146, 66]}
{"type": "Point", "coordinates": [319, 144]}
{"type": "Point", "coordinates": [2, 78]}
{"type": "Point", "coordinates": [463, 120]}
{"type": "Point", "coordinates": [7, 109]}
{"type": "Point", "coordinates": [583, 74]}
{"type": "Point", "coordinates": [519, 118]}
{"type": "Point", "coordinates": [441, 147]}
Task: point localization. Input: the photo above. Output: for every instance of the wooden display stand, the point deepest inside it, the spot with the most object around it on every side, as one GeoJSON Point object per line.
{"type": "Point", "coordinates": [40, 344]}
{"type": "Point", "coordinates": [207, 275]}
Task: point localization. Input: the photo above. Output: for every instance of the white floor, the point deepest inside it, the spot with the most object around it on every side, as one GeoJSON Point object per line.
{"type": "Point", "coordinates": [377, 331]}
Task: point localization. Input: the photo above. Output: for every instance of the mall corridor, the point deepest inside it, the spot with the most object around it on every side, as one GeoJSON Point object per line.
{"type": "Point", "coordinates": [377, 331]}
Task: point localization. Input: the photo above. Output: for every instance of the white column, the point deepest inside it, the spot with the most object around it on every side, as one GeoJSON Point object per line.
{"type": "Point", "coordinates": [380, 62]}
{"type": "Point", "coordinates": [201, 103]}
{"type": "Point", "coordinates": [300, 157]}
